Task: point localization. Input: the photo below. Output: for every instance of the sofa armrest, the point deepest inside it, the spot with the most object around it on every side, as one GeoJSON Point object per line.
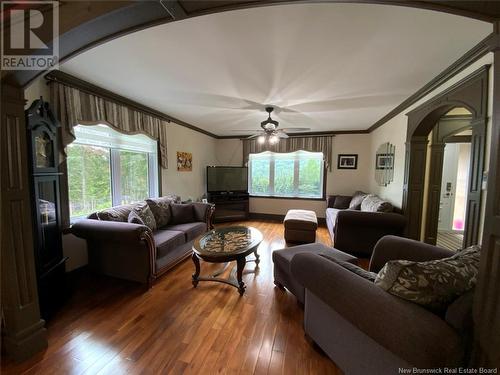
{"type": "Point", "coordinates": [395, 248]}
{"type": "Point", "coordinates": [357, 232]}
{"type": "Point", "coordinates": [416, 335]}
{"type": "Point", "coordinates": [96, 230]}
{"type": "Point", "coordinates": [204, 212]}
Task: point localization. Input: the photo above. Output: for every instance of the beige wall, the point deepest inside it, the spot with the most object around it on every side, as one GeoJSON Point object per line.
{"type": "Point", "coordinates": [230, 152]}
{"type": "Point", "coordinates": [187, 184]}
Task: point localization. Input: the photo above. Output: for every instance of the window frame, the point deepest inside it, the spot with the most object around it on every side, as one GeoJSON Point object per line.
{"type": "Point", "coordinates": [154, 171]}
{"type": "Point", "coordinates": [297, 159]}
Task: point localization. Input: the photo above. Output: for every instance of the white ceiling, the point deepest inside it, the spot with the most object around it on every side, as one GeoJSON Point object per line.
{"type": "Point", "coordinates": [327, 66]}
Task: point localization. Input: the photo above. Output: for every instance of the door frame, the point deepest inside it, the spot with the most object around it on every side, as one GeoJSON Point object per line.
{"type": "Point", "coordinates": [445, 129]}
{"type": "Point", "coordinates": [472, 94]}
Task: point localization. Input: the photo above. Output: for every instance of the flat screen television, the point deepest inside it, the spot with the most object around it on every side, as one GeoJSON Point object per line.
{"type": "Point", "coordinates": [228, 179]}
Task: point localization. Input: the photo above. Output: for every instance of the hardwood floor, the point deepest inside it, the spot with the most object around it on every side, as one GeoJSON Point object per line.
{"type": "Point", "coordinates": [111, 326]}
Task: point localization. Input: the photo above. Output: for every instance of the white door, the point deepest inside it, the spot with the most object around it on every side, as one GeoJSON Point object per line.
{"type": "Point", "coordinates": [448, 187]}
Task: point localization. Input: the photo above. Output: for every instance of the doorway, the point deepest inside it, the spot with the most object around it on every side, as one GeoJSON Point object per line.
{"type": "Point", "coordinates": [453, 195]}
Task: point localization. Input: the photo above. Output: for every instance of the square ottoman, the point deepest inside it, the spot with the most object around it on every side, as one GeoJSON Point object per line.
{"type": "Point", "coordinates": [282, 259]}
{"type": "Point", "coordinates": [300, 226]}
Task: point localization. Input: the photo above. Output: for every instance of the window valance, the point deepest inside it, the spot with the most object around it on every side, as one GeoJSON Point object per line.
{"type": "Point", "coordinates": [313, 143]}
{"type": "Point", "coordinates": [74, 106]}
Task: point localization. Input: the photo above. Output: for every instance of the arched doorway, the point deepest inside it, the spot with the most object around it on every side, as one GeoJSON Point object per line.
{"type": "Point", "coordinates": [470, 93]}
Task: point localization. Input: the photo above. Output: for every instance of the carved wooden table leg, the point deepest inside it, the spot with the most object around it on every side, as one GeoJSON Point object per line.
{"type": "Point", "coordinates": [257, 258]}
{"type": "Point", "coordinates": [239, 274]}
{"type": "Point", "coordinates": [196, 273]}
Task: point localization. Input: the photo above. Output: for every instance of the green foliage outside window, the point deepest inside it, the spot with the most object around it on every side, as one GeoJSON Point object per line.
{"type": "Point", "coordinates": [133, 176]}
{"type": "Point", "coordinates": [89, 179]}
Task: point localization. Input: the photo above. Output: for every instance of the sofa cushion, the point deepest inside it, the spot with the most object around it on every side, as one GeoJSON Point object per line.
{"type": "Point", "coordinates": [433, 284]}
{"type": "Point", "coordinates": [134, 218]}
{"type": "Point", "coordinates": [181, 213]}
{"type": "Point", "coordinates": [331, 217]}
{"type": "Point", "coordinates": [161, 209]}
{"type": "Point", "coordinates": [342, 202]}
{"type": "Point", "coordinates": [167, 240]}
{"type": "Point", "coordinates": [459, 313]}
{"type": "Point", "coordinates": [190, 230]}
{"type": "Point", "coordinates": [118, 213]}
{"type": "Point", "coordinates": [372, 203]}
{"type": "Point", "coordinates": [301, 220]}
{"type": "Point", "coordinates": [356, 200]}
{"type": "Point", "coordinates": [146, 215]}
{"type": "Point", "coordinates": [370, 276]}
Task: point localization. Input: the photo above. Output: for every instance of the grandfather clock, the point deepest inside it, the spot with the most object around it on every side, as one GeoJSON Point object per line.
{"type": "Point", "coordinates": [45, 206]}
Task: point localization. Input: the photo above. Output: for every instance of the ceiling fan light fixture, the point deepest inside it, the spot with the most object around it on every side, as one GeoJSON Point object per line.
{"type": "Point", "coordinates": [261, 139]}
{"type": "Point", "coordinates": [273, 139]}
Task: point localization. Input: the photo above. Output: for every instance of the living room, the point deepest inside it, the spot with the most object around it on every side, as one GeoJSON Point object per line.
{"type": "Point", "coordinates": [310, 136]}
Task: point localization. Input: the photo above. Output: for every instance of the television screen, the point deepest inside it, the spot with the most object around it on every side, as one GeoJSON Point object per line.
{"type": "Point", "coordinates": [227, 179]}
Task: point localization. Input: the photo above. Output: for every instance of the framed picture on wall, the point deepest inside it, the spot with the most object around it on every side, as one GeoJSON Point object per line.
{"type": "Point", "coordinates": [184, 161]}
{"type": "Point", "coordinates": [384, 161]}
{"type": "Point", "coordinates": [347, 161]}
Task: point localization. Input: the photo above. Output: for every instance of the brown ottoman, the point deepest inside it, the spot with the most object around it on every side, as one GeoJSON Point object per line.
{"type": "Point", "coordinates": [282, 260]}
{"type": "Point", "coordinates": [300, 226]}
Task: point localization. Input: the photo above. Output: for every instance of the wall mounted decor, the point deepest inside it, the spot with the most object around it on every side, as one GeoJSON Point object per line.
{"type": "Point", "coordinates": [184, 161]}
{"type": "Point", "coordinates": [347, 161]}
{"type": "Point", "coordinates": [384, 164]}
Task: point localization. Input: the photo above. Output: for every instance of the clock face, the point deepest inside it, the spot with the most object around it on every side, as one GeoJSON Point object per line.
{"type": "Point", "coordinates": [44, 151]}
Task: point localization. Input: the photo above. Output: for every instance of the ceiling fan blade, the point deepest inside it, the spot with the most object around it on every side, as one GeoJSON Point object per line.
{"type": "Point", "coordinates": [282, 134]}
{"type": "Point", "coordinates": [254, 136]}
{"type": "Point", "coordinates": [295, 129]}
{"type": "Point", "coordinates": [245, 130]}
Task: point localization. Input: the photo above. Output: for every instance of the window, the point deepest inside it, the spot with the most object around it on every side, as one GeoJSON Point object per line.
{"type": "Point", "coordinates": [296, 174]}
{"type": "Point", "coordinates": [107, 168]}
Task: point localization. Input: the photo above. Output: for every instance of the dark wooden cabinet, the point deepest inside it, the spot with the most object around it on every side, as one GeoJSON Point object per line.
{"type": "Point", "coordinates": [45, 206]}
{"type": "Point", "coordinates": [230, 206]}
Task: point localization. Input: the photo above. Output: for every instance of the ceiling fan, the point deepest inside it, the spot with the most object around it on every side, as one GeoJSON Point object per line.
{"type": "Point", "coordinates": [270, 131]}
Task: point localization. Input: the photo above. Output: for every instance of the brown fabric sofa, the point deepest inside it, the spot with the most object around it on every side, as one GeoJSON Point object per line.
{"type": "Point", "coordinates": [134, 252]}
{"type": "Point", "coordinates": [356, 231]}
{"type": "Point", "coordinates": [366, 330]}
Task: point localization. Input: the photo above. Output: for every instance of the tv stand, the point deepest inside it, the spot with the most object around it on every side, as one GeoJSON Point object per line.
{"type": "Point", "coordinates": [229, 206]}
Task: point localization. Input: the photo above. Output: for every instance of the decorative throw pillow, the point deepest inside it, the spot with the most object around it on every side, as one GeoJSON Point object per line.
{"type": "Point", "coordinates": [118, 213]}
{"type": "Point", "coordinates": [356, 200]}
{"type": "Point", "coordinates": [161, 209]}
{"type": "Point", "coordinates": [134, 218]}
{"type": "Point", "coordinates": [342, 202]}
{"type": "Point", "coordinates": [182, 213]}
{"type": "Point", "coordinates": [146, 215]}
{"type": "Point", "coordinates": [353, 268]}
{"type": "Point", "coordinates": [433, 284]}
{"type": "Point", "coordinates": [372, 203]}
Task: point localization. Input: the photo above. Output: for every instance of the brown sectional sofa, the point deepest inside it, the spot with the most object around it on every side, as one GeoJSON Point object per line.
{"type": "Point", "coordinates": [134, 252]}
{"type": "Point", "coordinates": [348, 315]}
{"type": "Point", "coordinates": [357, 222]}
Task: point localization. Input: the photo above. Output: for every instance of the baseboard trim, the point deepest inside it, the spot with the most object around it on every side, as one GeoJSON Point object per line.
{"type": "Point", "coordinates": [277, 217]}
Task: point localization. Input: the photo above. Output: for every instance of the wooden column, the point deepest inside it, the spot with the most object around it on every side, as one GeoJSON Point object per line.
{"type": "Point", "coordinates": [413, 189]}
{"type": "Point", "coordinates": [23, 332]}
{"type": "Point", "coordinates": [487, 298]}
{"type": "Point", "coordinates": [434, 192]}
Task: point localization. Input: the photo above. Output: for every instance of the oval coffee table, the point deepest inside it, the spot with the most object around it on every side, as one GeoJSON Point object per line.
{"type": "Point", "coordinates": [223, 246]}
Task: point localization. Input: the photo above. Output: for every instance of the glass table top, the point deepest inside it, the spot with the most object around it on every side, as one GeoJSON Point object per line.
{"type": "Point", "coordinates": [228, 240]}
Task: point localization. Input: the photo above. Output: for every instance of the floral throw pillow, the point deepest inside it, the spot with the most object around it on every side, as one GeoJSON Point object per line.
{"type": "Point", "coordinates": [134, 218]}
{"type": "Point", "coordinates": [433, 284]}
{"type": "Point", "coordinates": [161, 210]}
{"type": "Point", "coordinates": [356, 200]}
{"type": "Point", "coordinates": [146, 215]}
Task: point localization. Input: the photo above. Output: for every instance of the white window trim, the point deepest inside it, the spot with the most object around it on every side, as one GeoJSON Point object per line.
{"type": "Point", "coordinates": [108, 138]}
{"type": "Point", "coordinates": [297, 156]}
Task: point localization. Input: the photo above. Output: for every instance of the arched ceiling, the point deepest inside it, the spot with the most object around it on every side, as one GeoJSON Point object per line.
{"type": "Point", "coordinates": [328, 67]}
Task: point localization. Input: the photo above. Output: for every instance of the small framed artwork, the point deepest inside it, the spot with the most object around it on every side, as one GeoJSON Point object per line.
{"type": "Point", "coordinates": [184, 161]}
{"type": "Point", "coordinates": [384, 161]}
{"type": "Point", "coordinates": [347, 161]}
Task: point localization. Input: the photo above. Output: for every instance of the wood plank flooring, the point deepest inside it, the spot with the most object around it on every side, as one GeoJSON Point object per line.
{"type": "Point", "coordinates": [114, 327]}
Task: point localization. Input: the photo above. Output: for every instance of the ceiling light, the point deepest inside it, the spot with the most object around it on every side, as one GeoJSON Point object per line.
{"type": "Point", "coordinates": [273, 139]}
{"type": "Point", "coordinates": [261, 139]}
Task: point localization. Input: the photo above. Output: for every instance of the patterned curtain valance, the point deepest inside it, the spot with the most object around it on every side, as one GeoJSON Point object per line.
{"type": "Point", "coordinates": [314, 144]}
{"type": "Point", "coordinates": [73, 106]}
